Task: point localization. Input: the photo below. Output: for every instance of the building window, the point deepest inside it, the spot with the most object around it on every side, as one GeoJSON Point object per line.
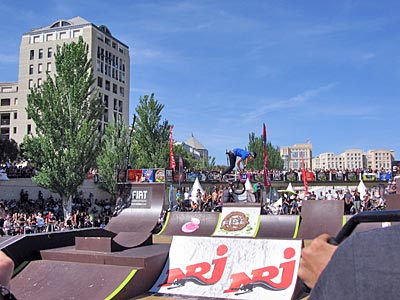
{"type": "Point", "coordinates": [40, 68]}
{"type": "Point", "coordinates": [122, 91]}
{"type": "Point", "coordinates": [15, 116]}
{"type": "Point", "coordinates": [5, 119]}
{"type": "Point", "coordinates": [32, 54]}
{"type": "Point", "coordinates": [107, 85]}
{"type": "Point", "coordinates": [99, 82]}
{"type": "Point", "coordinates": [115, 88]}
{"type": "Point", "coordinates": [30, 69]}
{"type": "Point", "coordinates": [40, 53]}
{"type": "Point", "coordinates": [29, 129]}
{"type": "Point", "coordinates": [30, 85]}
{"type": "Point", "coordinates": [15, 130]}
{"type": "Point", "coordinates": [63, 35]}
{"type": "Point", "coordinates": [49, 52]}
{"type": "Point", "coordinates": [5, 133]}
{"type": "Point", "coordinates": [120, 106]}
{"type": "Point", "coordinates": [106, 101]}
{"type": "Point", "coordinates": [48, 67]}
{"type": "Point", "coordinates": [36, 39]}
{"type": "Point", "coordinates": [39, 82]}
{"type": "Point", "coordinates": [49, 37]}
{"type": "Point", "coordinates": [76, 33]}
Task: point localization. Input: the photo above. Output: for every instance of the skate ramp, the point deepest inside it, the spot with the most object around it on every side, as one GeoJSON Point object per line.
{"type": "Point", "coordinates": [278, 226]}
{"type": "Point", "coordinates": [190, 223]}
{"type": "Point", "coordinates": [27, 247]}
{"type": "Point", "coordinates": [145, 207]}
{"type": "Point", "coordinates": [368, 225]}
{"type": "Point", "coordinates": [67, 273]}
{"type": "Point", "coordinates": [392, 201]}
{"type": "Point", "coordinates": [320, 216]}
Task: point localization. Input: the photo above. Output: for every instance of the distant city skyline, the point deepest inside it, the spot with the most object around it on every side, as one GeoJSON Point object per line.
{"type": "Point", "coordinates": [324, 71]}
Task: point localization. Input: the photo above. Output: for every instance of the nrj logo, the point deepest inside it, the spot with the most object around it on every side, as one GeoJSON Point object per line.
{"type": "Point", "coordinates": [272, 278]}
{"type": "Point", "coordinates": [199, 273]}
{"type": "Point", "coordinates": [266, 277]}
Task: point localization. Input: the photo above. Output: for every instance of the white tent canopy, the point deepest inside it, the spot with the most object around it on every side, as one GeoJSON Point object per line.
{"type": "Point", "coordinates": [289, 189]}
{"type": "Point", "coordinates": [362, 189]}
{"type": "Point", "coordinates": [195, 187]}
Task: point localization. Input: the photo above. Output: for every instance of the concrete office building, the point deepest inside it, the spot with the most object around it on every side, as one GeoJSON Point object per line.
{"type": "Point", "coordinates": [110, 61]}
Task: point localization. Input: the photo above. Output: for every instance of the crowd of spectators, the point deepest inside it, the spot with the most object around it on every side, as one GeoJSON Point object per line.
{"type": "Point", "coordinates": [38, 214]}
{"type": "Point", "coordinates": [354, 201]}
{"type": "Point", "coordinates": [324, 174]}
{"type": "Point", "coordinates": [189, 175]}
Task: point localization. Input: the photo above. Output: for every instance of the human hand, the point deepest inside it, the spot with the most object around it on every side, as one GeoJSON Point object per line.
{"type": "Point", "coordinates": [6, 269]}
{"type": "Point", "coordinates": [314, 259]}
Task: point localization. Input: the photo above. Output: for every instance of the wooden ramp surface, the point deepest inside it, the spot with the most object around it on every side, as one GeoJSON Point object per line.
{"type": "Point", "coordinates": [278, 226]}
{"type": "Point", "coordinates": [66, 273]}
{"type": "Point", "coordinates": [140, 218]}
{"type": "Point", "coordinates": [320, 216]}
{"type": "Point", "coordinates": [190, 223]}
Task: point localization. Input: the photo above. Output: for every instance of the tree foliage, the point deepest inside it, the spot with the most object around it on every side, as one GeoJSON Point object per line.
{"type": "Point", "coordinates": [150, 146]}
{"type": "Point", "coordinates": [274, 159]}
{"type": "Point", "coordinates": [8, 150]}
{"type": "Point", "coordinates": [65, 109]}
{"type": "Point", "coordinates": [113, 153]}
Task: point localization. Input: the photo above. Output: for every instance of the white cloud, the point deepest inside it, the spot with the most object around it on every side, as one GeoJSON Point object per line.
{"type": "Point", "coordinates": [295, 101]}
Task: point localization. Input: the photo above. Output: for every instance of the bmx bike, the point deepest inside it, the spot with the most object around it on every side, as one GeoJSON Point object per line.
{"type": "Point", "coordinates": [236, 182]}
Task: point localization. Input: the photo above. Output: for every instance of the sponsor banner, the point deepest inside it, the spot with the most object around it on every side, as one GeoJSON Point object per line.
{"type": "Point", "coordinates": [238, 221]}
{"type": "Point", "coordinates": [230, 268]}
{"type": "Point", "coordinates": [169, 175]}
{"type": "Point", "coordinates": [159, 175]}
{"type": "Point", "coordinates": [140, 197]}
{"type": "Point", "coordinates": [148, 175]}
{"type": "Point", "coordinates": [121, 176]}
{"type": "Point", "coordinates": [134, 175]}
{"type": "Point", "coordinates": [310, 176]}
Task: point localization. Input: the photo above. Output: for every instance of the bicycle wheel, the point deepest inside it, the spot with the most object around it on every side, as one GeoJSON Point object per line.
{"type": "Point", "coordinates": [238, 187]}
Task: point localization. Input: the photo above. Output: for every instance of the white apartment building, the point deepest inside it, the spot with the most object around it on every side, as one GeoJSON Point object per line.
{"type": "Point", "coordinates": [8, 108]}
{"type": "Point", "coordinates": [355, 159]}
{"type": "Point", "coordinates": [380, 159]}
{"type": "Point", "coordinates": [293, 156]}
{"type": "Point", "coordinates": [350, 159]}
{"type": "Point", "coordinates": [110, 61]}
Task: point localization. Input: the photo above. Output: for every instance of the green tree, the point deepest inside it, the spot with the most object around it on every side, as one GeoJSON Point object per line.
{"type": "Point", "coordinates": [8, 150]}
{"type": "Point", "coordinates": [65, 109]}
{"type": "Point", "coordinates": [150, 147]}
{"type": "Point", "coordinates": [113, 154]}
{"type": "Point", "coordinates": [274, 159]}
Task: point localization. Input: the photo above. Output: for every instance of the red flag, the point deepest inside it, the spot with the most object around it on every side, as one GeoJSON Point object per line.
{"type": "Point", "coordinates": [267, 182]}
{"type": "Point", "coordinates": [304, 174]}
{"type": "Point", "coordinates": [172, 164]}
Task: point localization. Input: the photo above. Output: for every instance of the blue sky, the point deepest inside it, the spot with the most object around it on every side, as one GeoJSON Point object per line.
{"type": "Point", "coordinates": [328, 71]}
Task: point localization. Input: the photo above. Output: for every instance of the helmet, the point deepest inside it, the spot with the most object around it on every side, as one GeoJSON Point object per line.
{"type": "Point", "coordinates": [254, 154]}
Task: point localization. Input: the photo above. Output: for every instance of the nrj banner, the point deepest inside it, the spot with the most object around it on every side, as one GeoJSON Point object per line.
{"type": "Point", "coordinates": [234, 268]}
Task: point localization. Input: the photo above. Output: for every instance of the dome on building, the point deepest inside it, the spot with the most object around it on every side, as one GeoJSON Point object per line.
{"type": "Point", "coordinates": [193, 146]}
